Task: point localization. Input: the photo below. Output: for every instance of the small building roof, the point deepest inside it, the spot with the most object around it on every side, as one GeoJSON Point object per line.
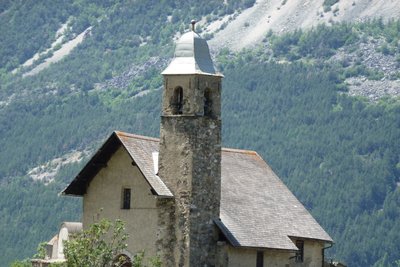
{"type": "Point", "coordinates": [72, 227]}
{"type": "Point", "coordinates": [192, 56]}
{"type": "Point", "coordinates": [257, 209]}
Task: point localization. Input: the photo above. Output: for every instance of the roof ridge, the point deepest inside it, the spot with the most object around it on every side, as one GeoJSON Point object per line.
{"type": "Point", "coordinates": [224, 149]}
{"type": "Point", "coordinates": [125, 134]}
{"type": "Point", "coordinates": [242, 151]}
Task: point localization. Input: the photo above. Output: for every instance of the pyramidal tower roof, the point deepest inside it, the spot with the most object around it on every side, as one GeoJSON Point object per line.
{"type": "Point", "coordinates": [192, 56]}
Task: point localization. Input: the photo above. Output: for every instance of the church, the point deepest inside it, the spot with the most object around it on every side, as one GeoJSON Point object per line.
{"type": "Point", "coordinates": [185, 198]}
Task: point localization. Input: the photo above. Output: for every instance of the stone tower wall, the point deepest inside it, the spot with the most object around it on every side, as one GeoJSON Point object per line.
{"type": "Point", "coordinates": [190, 165]}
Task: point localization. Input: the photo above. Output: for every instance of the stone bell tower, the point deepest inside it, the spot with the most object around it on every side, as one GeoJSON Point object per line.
{"type": "Point", "coordinates": [190, 155]}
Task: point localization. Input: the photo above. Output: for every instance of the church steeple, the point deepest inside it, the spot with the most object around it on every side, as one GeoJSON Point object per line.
{"type": "Point", "coordinates": [190, 155]}
{"type": "Point", "coordinates": [191, 84]}
{"type": "Point", "coordinates": [192, 56]}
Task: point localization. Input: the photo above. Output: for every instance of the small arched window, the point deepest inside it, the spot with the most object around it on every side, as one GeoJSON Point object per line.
{"type": "Point", "coordinates": [177, 101]}
{"type": "Point", "coordinates": [207, 102]}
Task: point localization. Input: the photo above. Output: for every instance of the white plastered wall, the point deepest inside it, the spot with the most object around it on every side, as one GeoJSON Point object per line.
{"type": "Point", "coordinates": [242, 257]}
{"type": "Point", "coordinates": [104, 196]}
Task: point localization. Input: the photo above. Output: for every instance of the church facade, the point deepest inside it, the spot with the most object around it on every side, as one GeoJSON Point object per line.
{"type": "Point", "coordinates": [185, 198]}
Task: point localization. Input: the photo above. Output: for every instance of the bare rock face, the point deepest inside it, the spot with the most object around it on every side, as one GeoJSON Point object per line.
{"type": "Point", "coordinates": [373, 90]}
{"type": "Point", "coordinates": [250, 26]}
{"type": "Point", "coordinates": [125, 79]}
{"type": "Point", "coordinates": [369, 54]}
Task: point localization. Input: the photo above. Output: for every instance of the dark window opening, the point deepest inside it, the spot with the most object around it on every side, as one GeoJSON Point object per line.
{"type": "Point", "coordinates": [122, 260]}
{"type": "Point", "coordinates": [260, 259]}
{"type": "Point", "coordinates": [221, 236]}
{"type": "Point", "coordinates": [126, 198]}
{"type": "Point", "coordinates": [177, 102]}
{"type": "Point", "coordinates": [207, 103]}
{"type": "Point", "coordinates": [300, 253]}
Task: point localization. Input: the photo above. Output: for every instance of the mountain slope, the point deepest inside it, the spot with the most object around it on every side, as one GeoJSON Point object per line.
{"type": "Point", "coordinates": [250, 26]}
{"type": "Point", "coordinates": [287, 98]}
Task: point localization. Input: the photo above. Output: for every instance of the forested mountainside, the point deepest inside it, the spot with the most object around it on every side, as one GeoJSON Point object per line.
{"type": "Point", "coordinates": [320, 105]}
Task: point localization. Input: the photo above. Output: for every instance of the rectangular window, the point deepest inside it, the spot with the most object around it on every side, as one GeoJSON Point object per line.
{"type": "Point", "coordinates": [300, 253]}
{"type": "Point", "coordinates": [260, 259]}
{"type": "Point", "coordinates": [126, 198]}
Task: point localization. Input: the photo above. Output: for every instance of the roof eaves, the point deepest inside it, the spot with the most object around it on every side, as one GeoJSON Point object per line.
{"type": "Point", "coordinates": [79, 184]}
{"type": "Point", "coordinates": [270, 248]}
{"type": "Point", "coordinates": [235, 243]}
{"type": "Point", "coordinates": [232, 240]}
{"type": "Point", "coordinates": [241, 151]}
{"type": "Point", "coordinates": [312, 239]}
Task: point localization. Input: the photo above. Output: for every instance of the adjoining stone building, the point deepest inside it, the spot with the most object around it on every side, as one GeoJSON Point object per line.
{"type": "Point", "coordinates": [185, 198]}
{"type": "Point", "coordinates": [55, 247]}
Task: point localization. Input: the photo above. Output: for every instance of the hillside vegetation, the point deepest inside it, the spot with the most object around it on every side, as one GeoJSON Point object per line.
{"type": "Point", "coordinates": [287, 98]}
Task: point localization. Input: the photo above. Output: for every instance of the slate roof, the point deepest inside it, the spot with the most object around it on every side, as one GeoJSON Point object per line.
{"type": "Point", "coordinates": [257, 209]}
{"type": "Point", "coordinates": [139, 148]}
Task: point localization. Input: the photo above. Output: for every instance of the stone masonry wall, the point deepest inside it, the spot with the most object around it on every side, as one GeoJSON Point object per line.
{"type": "Point", "coordinates": [193, 93]}
{"type": "Point", "coordinates": [190, 165]}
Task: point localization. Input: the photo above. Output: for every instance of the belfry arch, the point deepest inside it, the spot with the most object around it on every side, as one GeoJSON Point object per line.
{"type": "Point", "coordinates": [177, 101]}
{"type": "Point", "coordinates": [208, 102]}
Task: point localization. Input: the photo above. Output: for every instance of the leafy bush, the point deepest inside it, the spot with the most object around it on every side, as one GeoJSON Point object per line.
{"type": "Point", "coordinates": [97, 246]}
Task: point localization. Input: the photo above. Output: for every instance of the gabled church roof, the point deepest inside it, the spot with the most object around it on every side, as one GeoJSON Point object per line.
{"type": "Point", "coordinates": [140, 150]}
{"type": "Point", "coordinates": [257, 209]}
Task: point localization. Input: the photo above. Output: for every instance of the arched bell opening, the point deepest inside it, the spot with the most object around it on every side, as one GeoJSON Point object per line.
{"type": "Point", "coordinates": [177, 101]}
{"type": "Point", "coordinates": [208, 105]}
